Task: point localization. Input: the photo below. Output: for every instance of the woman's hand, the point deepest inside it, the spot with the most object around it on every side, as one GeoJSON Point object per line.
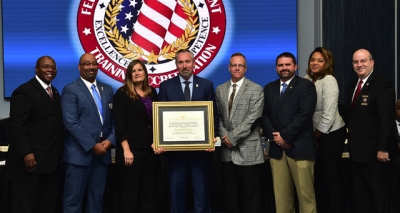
{"type": "Point", "coordinates": [128, 155]}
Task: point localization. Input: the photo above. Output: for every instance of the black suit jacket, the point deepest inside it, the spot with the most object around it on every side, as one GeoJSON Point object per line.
{"type": "Point", "coordinates": [36, 127]}
{"type": "Point", "coordinates": [132, 121]}
{"type": "Point", "coordinates": [291, 115]}
{"type": "Point", "coordinates": [371, 121]}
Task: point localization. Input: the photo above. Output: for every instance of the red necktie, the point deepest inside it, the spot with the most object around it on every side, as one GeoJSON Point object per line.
{"type": "Point", "coordinates": [48, 89]}
{"type": "Point", "coordinates": [356, 93]}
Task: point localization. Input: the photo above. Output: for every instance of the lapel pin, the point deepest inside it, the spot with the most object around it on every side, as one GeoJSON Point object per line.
{"type": "Point", "coordinates": [197, 85]}
{"type": "Point", "coordinates": [290, 87]}
{"type": "Point", "coordinates": [367, 84]}
{"type": "Point", "coordinates": [102, 88]}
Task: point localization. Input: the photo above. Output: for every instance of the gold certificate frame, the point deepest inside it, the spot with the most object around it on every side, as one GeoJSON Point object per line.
{"type": "Point", "coordinates": [183, 125]}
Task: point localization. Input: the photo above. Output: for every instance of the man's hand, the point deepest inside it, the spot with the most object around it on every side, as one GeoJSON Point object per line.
{"type": "Point", "coordinates": [106, 144]}
{"type": "Point", "coordinates": [226, 141]}
{"type": "Point", "coordinates": [280, 141]}
{"type": "Point", "coordinates": [30, 162]}
{"type": "Point", "coordinates": [383, 156]}
{"type": "Point", "coordinates": [99, 149]}
{"type": "Point", "coordinates": [212, 150]}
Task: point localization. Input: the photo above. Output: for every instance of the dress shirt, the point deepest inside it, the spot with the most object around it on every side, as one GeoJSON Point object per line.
{"type": "Point", "coordinates": [362, 85]}
{"type": "Point", "coordinates": [44, 85]}
{"type": "Point", "coordinates": [238, 85]}
{"type": "Point", "coordinates": [287, 85]}
{"type": "Point", "coordinates": [182, 80]}
{"type": "Point", "coordinates": [89, 86]}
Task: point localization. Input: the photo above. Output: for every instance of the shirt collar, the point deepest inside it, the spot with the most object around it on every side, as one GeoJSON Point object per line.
{"type": "Point", "coordinates": [288, 81]}
{"type": "Point", "coordinates": [238, 83]}
{"type": "Point", "coordinates": [183, 80]}
{"type": "Point", "coordinates": [88, 84]}
{"type": "Point", "coordinates": [44, 85]}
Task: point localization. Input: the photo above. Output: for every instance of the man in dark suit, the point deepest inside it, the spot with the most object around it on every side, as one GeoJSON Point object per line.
{"type": "Point", "coordinates": [34, 156]}
{"type": "Point", "coordinates": [287, 123]}
{"type": "Point", "coordinates": [396, 176]}
{"type": "Point", "coordinates": [86, 106]}
{"type": "Point", "coordinates": [180, 163]}
{"type": "Point", "coordinates": [240, 103]}
{"type": "Point", "coordinates": [370, 100]}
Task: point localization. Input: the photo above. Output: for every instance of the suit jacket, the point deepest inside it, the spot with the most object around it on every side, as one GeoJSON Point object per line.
{"type": "Point", "coordinates": [203, 90]}
{"type": "Point", "coordinates": [132, 122]}
{"type": "Point", "coordinates": [242, 127]}
{"type": "Point", "coordinates": [371, 121]}
{"type": "Point", "coordinates": [36, 127]}
{"type": "Point", "coordinates": [291, 115]}
{"type": "Point", "coordinates": [83, 124]}
{"type": "Point", "coordinates": [326, 117]}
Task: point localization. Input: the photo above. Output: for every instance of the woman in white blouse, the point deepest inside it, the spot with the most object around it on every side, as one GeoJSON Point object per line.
{"type": "Point", "coordinates": [329, 131]}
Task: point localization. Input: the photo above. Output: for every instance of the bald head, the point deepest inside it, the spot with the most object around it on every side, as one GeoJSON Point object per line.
{"type": "Point", "coordinates": [88, 67]}
{"type": "Point", "coordinates": [363, 63]}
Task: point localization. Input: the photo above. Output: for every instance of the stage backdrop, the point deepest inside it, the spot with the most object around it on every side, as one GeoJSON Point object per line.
{"type": "Point", "coordinates": [118, 31]}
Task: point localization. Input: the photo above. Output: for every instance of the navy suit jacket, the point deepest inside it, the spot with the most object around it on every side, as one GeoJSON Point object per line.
{"type": "Point", "coordinates": [83, 124]}
{"type": "Point", "coordinates": [371, 121]}
{"type": "Point", "coordinates": [291, 115]}
{"type": "Point", "coordinates": [203, 90]}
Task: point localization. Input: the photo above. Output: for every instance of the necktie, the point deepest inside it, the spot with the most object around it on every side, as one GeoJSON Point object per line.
{"type": "Point", "coordinates": [356, 93]}
{"type": "Point", "coordinates": [284, 85]}
{"type": "Point", "coordinates": [48, 89]}
{"type": "Point", "coordinates": [97, 99]}
{"type": "Point", "coordinates": [187, 91]}
{"type": "Point", "coordinates": [231, 97]}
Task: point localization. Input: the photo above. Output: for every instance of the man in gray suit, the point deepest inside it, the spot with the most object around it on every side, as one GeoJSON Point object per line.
{"type": "Point", "coordinates": [240, 103]}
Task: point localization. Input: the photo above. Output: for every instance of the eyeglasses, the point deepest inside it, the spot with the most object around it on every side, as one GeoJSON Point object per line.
{"type": "Point", "coordinates": [362, 61]}
{"type": "Point", "coordinates": [87, 63]}
{"type": "Point", "coordinates": [46, 67]}
{"type": "Point", "coordinates": [237, 65]}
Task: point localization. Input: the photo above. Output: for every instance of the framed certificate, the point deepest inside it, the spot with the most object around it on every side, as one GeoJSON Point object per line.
{"type": "Point", "coordinates": [183, 125]}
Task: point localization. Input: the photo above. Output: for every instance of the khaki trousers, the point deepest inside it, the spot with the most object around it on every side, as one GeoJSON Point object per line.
{"type": "Point", "coordinates": [288, 173]}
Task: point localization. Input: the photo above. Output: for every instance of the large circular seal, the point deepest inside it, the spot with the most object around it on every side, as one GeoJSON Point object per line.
{"type": "Point", "coordinates": [119, 31]}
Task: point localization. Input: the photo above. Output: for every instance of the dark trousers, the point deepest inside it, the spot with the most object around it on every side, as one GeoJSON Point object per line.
{"type": "Point", "coordinates": [81, 180]}
{"type": "Point", "coordinates": [328, 172]}
{"type": "Point", "coordinates": [180, 165]}
{"type": "Point", "coordinates": [372, 186]}
{"type": "Point", "coordinates": [32, 192]}
{"type": "Point", "coordinates": [242, 188]}
{"type": "Point", "coordinates": [138, 182]}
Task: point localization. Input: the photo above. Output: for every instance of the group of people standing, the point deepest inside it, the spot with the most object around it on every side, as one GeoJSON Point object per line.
{"type": "Point", "coordinates": [72, 135]}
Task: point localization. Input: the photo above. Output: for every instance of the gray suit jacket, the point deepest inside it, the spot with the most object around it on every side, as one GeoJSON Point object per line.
{"type": "Point", "coordinates": [242, 127]}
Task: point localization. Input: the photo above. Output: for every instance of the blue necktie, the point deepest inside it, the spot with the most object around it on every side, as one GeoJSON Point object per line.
{"type": "Point", "coordinates": [284, 85]}
{"type": "Point", "coordinates": [97, 99]}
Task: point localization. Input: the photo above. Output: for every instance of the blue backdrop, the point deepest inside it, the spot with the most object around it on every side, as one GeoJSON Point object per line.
{"type": "Point", "coordinates": [259, 29]}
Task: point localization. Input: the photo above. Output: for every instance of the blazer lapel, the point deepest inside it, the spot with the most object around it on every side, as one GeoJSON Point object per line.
{"type": "Point", "coordinates": [42, 91]}
{"type": "Point", "coordinates": [178, 88]}
{"type": "Point", "coordinates": [363, 90]}
{"type": "Point", "coordinates": [238, 96]}
{"type": "Point", "coordinates": [288, 90]}
{"type": "Point", "coordinates": [103, 97]}
{"type": "Point", "coordinates": [225, 95]}
{"type": "Point", "coordinates": [196, 85]}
